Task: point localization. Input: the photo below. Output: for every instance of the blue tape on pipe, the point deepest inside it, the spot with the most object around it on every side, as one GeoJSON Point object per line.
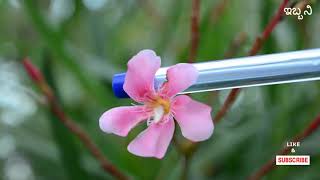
{"type": "Point", "coordinates": [117, 85]}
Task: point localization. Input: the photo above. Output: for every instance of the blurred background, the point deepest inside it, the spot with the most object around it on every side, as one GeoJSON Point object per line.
{"type": "Point", "coordinates": [80, 44]}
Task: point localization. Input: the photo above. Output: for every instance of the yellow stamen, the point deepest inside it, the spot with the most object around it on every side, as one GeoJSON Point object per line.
{"type": "Point", "coordinates": [161, 102]}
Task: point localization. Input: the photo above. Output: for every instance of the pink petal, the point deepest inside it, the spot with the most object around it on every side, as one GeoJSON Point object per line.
{"type": "Point", "coordinates": [193, 117]}
{"type": "Point", "coordinates": [139, 79]}
{"type": "Point", "coordinates": [121, 120]}
{"type": "Point", "coordinates": [180, 77]}
{"type": "Point", "coordinates": [154, 141]}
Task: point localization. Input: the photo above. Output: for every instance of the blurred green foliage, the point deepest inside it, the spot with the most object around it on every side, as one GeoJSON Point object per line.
{"type": "Point", "coordinates": [80, 44]}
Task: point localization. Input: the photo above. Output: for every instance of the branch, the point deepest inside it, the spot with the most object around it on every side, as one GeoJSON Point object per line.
{"type": "Point", "coordinates": [235, 45]}
{"type": "Point", "coordinates": [151, 11]}
{"type": "Point", "coordinates": [313, 126]}
{"type": "Point", "coordinates": [56, 109]}
{"type": "Point", "coordinates": [254, 50]}
{"type": "Point", "coordinates": [218, 11]}
{"type": "Point", "coordinates": [269, 28]}
{"type": "Point", "coordinates": [194, 30]}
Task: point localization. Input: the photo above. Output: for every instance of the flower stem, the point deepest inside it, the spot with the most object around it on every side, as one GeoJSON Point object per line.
{"type": "Point", "coordinates": [185, 167]}
{"type": "Point", "coordinates": [56, 109]}
{"type": "Point", "coordinates": [253, 51]}
{"type": "Point", "coordinates": [195, 16]}
{"type": "Point", "coordinates": [218, 10]}
{"type": "Point", "coordinates": [267, 167]}
{"type": "Point", "coordinates": [235, 45]}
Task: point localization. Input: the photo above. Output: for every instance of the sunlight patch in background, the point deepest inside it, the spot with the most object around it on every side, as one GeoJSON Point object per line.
{"type": "Point", "coordinates": [60, 10]}
{"type": "Point", "coordinates": [285, 33]}
{"type": "Point", "coordinates": [7, 145]}
{"type": "Point", "coordinates": [16, 104]}
{"type": "Point", "coordinates": [17, 168]}
{"type": "Point", "coordinates": [14, 3]}
{"type": "Point", "coordinates": [94, 5]}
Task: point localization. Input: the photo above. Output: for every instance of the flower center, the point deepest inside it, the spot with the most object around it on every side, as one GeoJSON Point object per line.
{"type": "Point", "coordinates": [160, 108]}
{"type": "Point", "coordinates": [164, 103]}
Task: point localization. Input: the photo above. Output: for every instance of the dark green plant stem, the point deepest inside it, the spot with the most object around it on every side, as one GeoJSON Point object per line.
{"type": "Point", "coordinates": [169, 25]}
{"type": "Point", "coordinates": [69, 23]}
{"type": "Point", "coordinates": [185, 167]}
{"type": "Point", "coordinates": [266, 8]}
{"type": "Point", "coordinates": [186, 149]}
{"type": "Point", "coordinates": [69, 152]}
{"type": "Point", "coordinates": [56, 44]}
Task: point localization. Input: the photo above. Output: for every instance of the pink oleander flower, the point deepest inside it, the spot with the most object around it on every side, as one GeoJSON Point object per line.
{"type": "Point", "coordinates": [159, 107]}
